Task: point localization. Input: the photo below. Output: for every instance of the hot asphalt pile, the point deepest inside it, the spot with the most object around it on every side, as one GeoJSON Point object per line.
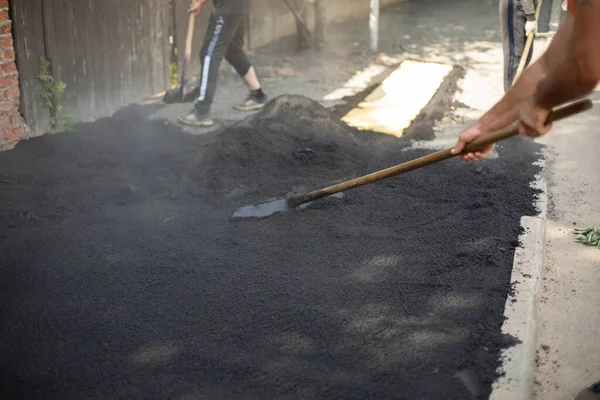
{"type": "Point", "coordinates": [121, 275]}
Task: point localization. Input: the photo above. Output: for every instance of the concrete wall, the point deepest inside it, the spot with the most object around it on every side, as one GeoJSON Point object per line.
{"type": "Point", "coordinates": [341, 10]}
{"type": "Point", "coordinates": [271, 20]}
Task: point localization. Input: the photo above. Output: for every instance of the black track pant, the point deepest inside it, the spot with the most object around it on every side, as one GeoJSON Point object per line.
{"type": "Point", "coordinates": [224, 38]}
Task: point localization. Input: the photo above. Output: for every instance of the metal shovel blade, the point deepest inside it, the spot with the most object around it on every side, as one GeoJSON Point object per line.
{"type": "Point", "coordinates": [267, 209]}
{"type": "Point", "coordinates": [262, 210]}
{"type": "Point", "coordinates": [173, 96]}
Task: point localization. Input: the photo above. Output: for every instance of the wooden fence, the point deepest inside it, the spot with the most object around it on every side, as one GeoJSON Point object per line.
{"type": "Point", "coordinates": [108, 52]}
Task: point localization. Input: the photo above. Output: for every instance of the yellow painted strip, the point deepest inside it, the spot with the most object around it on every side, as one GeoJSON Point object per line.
{"type": "Point", "coordinates": [396, 103]}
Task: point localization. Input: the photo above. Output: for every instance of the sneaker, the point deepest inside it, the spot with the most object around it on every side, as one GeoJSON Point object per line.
{"type": "Point", "coordinates": [253, 102]}
{"type": "Point", "coordinates": [589, 393]}
{"type": "Point", "coordinates": [195, 119]}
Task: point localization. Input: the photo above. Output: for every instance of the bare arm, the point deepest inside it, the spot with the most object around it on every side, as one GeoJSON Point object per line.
{"type": "Point", "coordinates": [196, 7]}
{"type": "Point", "coordinates": [572, 76]}
{"type": "Point", "coordinates": [570, 69]}
{"type": "Point", "coordinates": [577, 74]}
{"type": "Point", "coordinates": [508, 109]}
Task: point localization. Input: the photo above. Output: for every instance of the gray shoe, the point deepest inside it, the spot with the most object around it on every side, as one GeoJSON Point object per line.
{"type": "Point", "coordinates": [195, 119]}
{"type": "Point", "coordinates": [589, 393]}
{"type": "Point", "coordinates": [252, 103]}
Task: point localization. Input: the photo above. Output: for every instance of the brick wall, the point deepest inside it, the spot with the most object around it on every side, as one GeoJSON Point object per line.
{"type": "Point", "coordinates": [11, 126]}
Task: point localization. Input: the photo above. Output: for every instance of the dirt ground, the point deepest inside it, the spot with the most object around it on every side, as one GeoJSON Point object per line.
{"type": "Point", "coordinates": [124, 277]}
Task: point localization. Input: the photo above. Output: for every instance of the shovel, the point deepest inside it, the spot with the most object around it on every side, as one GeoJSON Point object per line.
{"type": "Point", "coordinates": [284, 205]}
{"type": "Point", "coordinates": [528, 44]}
{"type": "Point", "coordinates": [298, 18]}
{"type": "Point", "coordinates": [177, 95]}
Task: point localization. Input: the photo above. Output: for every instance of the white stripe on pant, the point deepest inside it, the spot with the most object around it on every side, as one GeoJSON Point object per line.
{"type": "Point", "coordinates": [206, 66]}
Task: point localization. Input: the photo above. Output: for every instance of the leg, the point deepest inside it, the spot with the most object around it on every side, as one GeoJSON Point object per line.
{"type": "Point", "coordinates": [512, 21]}
{"type": "Point", "coordinates": [519, 38]}
{"type": "Point", "coordinates": [237, 58]}
{"type": "Point", "coordinates": [235, 54]}
{"type": "Point", "coordinates": [222, 27]}
{"type": "Point", "coordinates": [251, 80]}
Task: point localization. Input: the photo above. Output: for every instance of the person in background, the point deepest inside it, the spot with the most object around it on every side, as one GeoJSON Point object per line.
{"type": "Point", "coordinates": [224, 38]}
{"type": "Point", "coordinates": [517, 19]}
{"type": "Point", "coordinates": [567, 71]}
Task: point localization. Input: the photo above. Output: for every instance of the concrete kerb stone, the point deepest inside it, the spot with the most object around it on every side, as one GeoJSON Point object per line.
{"type": "Point", "coordinates": [518, 362]}
{"type": "Point", "coordinates": [518, 367]}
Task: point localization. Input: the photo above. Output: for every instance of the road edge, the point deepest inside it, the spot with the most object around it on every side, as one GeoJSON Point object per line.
{"type": "Point", "coordinates": [518, 362]}
{"type": "Point", "coordinates": [520, 312]}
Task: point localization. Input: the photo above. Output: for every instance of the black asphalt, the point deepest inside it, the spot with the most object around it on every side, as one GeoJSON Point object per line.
{"type": "Point", "coordinates": [121, 275]}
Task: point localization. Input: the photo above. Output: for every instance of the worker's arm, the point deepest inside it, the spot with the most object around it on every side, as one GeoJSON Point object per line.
{"type": "Point", "coordinates": [569, 70]}
{"type": "Point", "coordinates": [579, 73]}
{"type": "Point", "coordinates": [196, 6]}
{"type": "Point", "coordinates": [574, 77]}
{"type": "Point", "coordinates": [508, 109]}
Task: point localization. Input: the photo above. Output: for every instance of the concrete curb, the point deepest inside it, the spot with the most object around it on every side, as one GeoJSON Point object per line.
{"type": "Point", "coordinates": [519, 361]}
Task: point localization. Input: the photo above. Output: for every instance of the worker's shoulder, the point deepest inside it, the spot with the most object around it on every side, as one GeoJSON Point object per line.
{"type": "Point", "coordinates": [568, 5]}
{"type": "Point", "coordinates": [572, 4]}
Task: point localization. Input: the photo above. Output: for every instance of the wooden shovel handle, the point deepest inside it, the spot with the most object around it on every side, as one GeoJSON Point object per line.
{"type": "Point", "coordinates": [486, 140]}
{"type": "Point", "coordinates": [528, 44]}
{"type": "Point", "coordinates": [187, 54]}
{"type": "Point", "coordinates": [189, 38]}
{"type": "Point", "coordinates": [298, 18]}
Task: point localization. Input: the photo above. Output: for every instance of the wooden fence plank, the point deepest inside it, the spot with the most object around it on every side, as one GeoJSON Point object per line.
{"type": "Point", "coordinates": [91, 55]}
{"type": "Point", "coordinates": [167, 21]}
{"type": "Point", "coordinates": [80, 20]}
{"type": "Point", "coordinates": [118, 72]}
{"type": "Point", "coordinates": [161, 52]}
{"type": "Point", "coordinates": [29, 47]}
{"type": "Point", "coordinates": [66, 57]}
{"type": "Point", "coordinates": [103, 91]}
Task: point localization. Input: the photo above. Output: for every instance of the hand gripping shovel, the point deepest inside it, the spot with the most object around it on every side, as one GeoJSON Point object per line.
{"type": "Point", "coordinates": [266, 209]}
